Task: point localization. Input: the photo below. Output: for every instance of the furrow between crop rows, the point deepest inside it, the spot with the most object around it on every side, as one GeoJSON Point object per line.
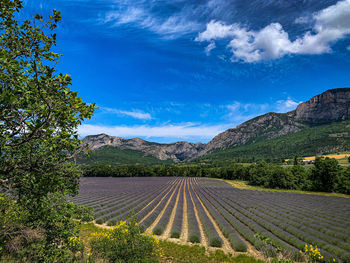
{"type": "Point", "coordinates": [203, 239]}
{"type": "Point", "coordinates": [174, 212]}
{"type": "Point", "coordinates": [157, 214]}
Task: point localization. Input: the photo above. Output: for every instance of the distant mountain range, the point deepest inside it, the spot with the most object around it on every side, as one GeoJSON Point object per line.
{"type": "Point", "coordinates": [317, 126]}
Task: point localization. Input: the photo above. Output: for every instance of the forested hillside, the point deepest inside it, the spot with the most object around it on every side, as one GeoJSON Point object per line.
{"type": "Point", "coordinates": [310, 141]}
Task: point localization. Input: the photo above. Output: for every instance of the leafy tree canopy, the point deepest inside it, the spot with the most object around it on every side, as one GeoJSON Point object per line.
{"type": "Point", "coordinates": [39, 116]}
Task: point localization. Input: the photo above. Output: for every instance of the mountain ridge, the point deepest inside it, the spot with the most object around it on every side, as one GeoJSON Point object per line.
{"type": "Point", "coordinates": [177, 151]}
{"type": "Point", "coordinates": [330, 106]}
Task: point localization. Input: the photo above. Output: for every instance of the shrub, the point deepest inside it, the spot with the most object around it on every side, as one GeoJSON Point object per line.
{"type": "Point", "coordinates": [124, 243]}
{"type": "Point", "coordinates": [194, 239]}
{"type": "Point", "coordinates": [175, 235]}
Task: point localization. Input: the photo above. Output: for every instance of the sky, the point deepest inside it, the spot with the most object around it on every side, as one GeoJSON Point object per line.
{"type": "Point", "coordinates": [177, 70]}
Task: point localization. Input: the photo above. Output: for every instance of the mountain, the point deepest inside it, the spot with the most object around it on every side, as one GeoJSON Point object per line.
{"type": "Point", "coordinates": [177, 152]}
{"type": "Point", "coordinates": [330, 106]}
{"type": "Point", "coordinates": [113, 156]}
{"type": "Point", "coordinates": [310, 141]}
{"type": "Point", "coordinates": [316, 116]}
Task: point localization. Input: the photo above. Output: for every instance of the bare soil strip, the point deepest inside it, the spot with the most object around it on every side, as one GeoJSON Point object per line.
{"type": "Point", "coordinates": [204, 239]}
{"type": "Point", "coordinates": [184, 232]}
{"type": "Point", "coordinates": [166, 234]}
{"type": "Point", "coordinates": [155, 222]}
{"type": "Point", "coordinates": [160, 201]}
{"type": "Point", "coordinates": [226, 246]}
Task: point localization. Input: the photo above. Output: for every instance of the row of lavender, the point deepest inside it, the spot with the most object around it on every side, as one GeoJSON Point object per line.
{"type": "Point", "coordinates": [113, 199]}
{"type": "Point", "coordinates": [272, 222]}
{"type": "Point", "coordinates": [283, 222]}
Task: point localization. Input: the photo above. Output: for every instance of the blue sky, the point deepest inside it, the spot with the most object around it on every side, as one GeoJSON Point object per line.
{"type": "Point", "coordinates": [186, 69]}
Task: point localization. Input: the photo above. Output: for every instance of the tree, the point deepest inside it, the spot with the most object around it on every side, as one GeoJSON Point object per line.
{"type": "Point", "coordinates": [39, 116]}
{"type": "Point", "coordinates": [324, 174]}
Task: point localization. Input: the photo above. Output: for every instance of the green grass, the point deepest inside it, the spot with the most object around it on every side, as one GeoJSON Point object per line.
{"type": "Point", "coordinates": [114, 156]}
{"type": "Point", "coordinates": [310, 141]}
{"type": "Point", "coordinates": [176, 253]}
{"type": "Point", "coordinates": [195, 254]}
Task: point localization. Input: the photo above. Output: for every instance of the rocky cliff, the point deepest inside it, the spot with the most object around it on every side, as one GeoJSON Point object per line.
{"type": "Point", "coordinates": [330, 106]}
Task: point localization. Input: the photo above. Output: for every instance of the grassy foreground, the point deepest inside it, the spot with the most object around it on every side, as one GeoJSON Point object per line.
{"type": "Point", "coordinates": [181, 253]}
{"type": "Point", "coordinates": [244, 185]}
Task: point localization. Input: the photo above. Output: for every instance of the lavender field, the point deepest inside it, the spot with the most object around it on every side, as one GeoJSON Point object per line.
{"type": "Point", "coordinates": [215, 214]}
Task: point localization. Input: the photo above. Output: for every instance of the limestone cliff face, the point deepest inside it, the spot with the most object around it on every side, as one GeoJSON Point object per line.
{"type": "Point", "coordinates": [332, 105]}
{"type": "Point", "coordinates": [179, 151]}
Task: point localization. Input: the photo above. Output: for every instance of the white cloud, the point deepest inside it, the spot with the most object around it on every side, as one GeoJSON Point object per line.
{"type": "Point", "coordinates": [209, 48]}
{"type": "Point", "coordinates": [286, 105]}
{"type": "Point", "coordinates": [216, 30]}
{"type": "Point", "coordinates": [271, 42]}
{"type": "Point", "coordinates": [188, 130]}
{"type": "Point", "coordinates": [137, 114]}
{"type": "Point", "coordinates": [302, 20]}
{"type": "Point", "coordinates": [170, 27]}
{"type": "Point", "coordinates": [128, 16]}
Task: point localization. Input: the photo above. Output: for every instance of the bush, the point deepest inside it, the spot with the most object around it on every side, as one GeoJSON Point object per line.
{"type": "Point", "coordinates": [175, 235]}
{"type": "Point", "coordinates": [195, 239]}
{"type": "Point", "coordinates": [124, 243]}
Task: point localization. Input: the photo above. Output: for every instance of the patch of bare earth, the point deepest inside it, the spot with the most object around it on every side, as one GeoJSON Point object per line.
{"type": "Point", "coordinates": [184, 232]}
